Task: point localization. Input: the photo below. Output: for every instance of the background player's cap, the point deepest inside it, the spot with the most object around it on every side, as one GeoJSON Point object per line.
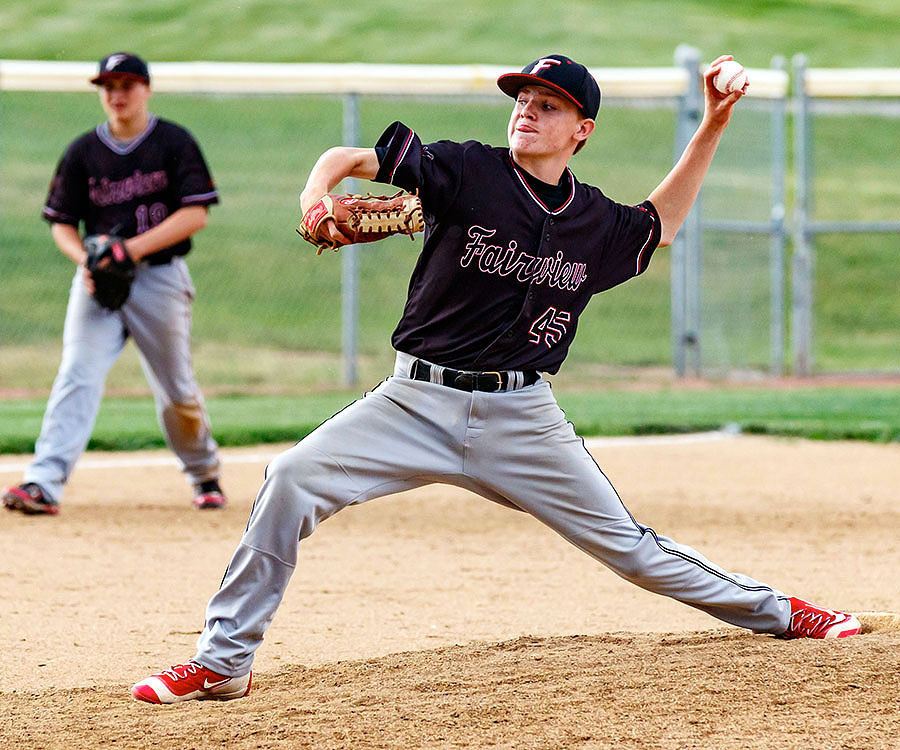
{"type": "Point", "coordinates": [123, 64]}
{"type": "Point", "coordinates": [557, 72]}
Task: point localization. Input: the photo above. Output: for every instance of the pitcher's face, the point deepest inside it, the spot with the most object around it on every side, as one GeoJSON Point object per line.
{"type": "Point", "coordinates": [545, 123]}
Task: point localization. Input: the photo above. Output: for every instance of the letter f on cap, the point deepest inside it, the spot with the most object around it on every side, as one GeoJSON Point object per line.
{"type": "Point", "coordinates": [114, 61]}
{"type": "Point", "coordinates": [544, 62]}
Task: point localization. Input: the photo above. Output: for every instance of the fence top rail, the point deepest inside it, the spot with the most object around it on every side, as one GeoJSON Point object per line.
{"type": "Point", "coordinates": [852, 82]}
{"type": "Point", "coordinates": [359, 78]}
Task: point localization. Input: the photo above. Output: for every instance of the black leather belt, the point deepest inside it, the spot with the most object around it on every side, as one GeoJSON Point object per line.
{"type": "Point", "coordinates": [464, 380]}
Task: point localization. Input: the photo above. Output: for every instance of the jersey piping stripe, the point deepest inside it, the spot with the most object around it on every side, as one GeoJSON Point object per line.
{"type": "Point", "coordinates": [105, 136]}
{"type": "Point", "coordinates": [534, 195]}
{"type": "Point", "coordinates": [640, 256]}
{"type": "Point", "coordinates": [409, 138]}
{"type": "Point", "coordinates": [200, 198]}
{"type": "Point", "coordinates": [59, 218]}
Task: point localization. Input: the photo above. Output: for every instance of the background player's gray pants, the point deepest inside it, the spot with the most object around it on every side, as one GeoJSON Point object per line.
{"type": "Point", "coordinates": [157, 316]}
{"type": "Point", "coordinates": [512, 447]}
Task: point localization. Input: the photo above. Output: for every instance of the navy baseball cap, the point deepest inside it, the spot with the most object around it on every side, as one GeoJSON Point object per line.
{"type": "Point", "coordinates": [559, 73]}
{"type": "Point", "coordinates": [122, 64]}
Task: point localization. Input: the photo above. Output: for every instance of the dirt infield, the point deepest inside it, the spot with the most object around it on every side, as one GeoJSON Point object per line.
{"type": "Point", "coordinates": [435, 619]}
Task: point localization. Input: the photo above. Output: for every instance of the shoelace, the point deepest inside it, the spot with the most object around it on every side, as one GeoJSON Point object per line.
{"type": "Point", "coordinates": [172, 672]}
{"type": "Point", "coordinates": [809, 622]}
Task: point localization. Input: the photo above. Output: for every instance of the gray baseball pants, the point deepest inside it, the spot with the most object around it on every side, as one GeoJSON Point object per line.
{"type": "Point", "coordinates": [513, 447]}
{"type": "Point", "coordinates": [157, 316]}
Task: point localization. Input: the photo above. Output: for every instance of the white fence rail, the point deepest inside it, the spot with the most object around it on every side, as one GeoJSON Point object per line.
{"type": "Point", "coordinates": [357, 78]}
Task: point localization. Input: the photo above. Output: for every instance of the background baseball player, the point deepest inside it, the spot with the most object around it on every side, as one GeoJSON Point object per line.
{"type": "Point", "coordinates": [514, 249]}
{"type": "Point", "coordinates": [145, 179]}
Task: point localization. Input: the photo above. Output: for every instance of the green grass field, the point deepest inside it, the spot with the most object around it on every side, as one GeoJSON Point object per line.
{"type": "Point", "coordinates": [264, 297]}
{"type": "Point", "coordinates": [820, 413]}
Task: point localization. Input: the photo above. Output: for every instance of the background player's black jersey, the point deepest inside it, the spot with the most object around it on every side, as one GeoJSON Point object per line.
{"type": "Point", "coordinates": [503, 277]}
{"type": "Point", "coordinates": [130, 187]}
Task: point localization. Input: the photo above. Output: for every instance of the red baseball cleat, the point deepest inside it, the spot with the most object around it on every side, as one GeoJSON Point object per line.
{"type": "Point", "coordinates": [209, 496]}
{"type": "Point", "coordinates": [29, 499]}
{"type": "Point", "coordinates": [191, 681]}
{"type": "Point", "coordinates": [809, 621]}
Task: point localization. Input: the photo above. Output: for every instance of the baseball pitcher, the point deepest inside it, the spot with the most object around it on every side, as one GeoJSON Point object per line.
{"type": "Point", "coordinates": [514, 249]}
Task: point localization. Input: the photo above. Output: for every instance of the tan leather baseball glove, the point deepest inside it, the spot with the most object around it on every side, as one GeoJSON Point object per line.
{"type": "Point", "coordinates": [361, 218]}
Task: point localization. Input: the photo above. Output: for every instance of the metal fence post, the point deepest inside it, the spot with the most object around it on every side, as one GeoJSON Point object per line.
{"type": "Point", "coordinates": [687, 250]}
{"type": "Point", "coordinates": [350, 258]}
{"type": "Point", "coordinates": [803, 258]}
{"type": "Point", "coordinates": [778, 231]}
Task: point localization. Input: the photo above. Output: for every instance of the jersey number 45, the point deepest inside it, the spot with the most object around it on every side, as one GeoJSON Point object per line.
{"type": "Point", "coordinates": [550, 327]}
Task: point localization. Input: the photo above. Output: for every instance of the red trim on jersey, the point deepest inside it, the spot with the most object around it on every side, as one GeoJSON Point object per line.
{"type": "Point", "coordinates": [403, 151]}
{"type": "Point", "coordinates": [640, 256]}
{"type": "Point", "coordinates": [535, 196]}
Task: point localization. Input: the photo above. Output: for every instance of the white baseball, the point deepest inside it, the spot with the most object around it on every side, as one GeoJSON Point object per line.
{"type": "Point", "coordinates": [731, 76]}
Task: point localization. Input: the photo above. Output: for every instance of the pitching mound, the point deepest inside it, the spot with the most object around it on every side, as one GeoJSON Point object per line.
{"type": "Point", "coordinates": [434, 619]}
{"type": "Point", "coordinates": [719, 689]}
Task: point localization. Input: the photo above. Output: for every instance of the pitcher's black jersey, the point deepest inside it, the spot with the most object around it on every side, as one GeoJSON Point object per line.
{"type": "Point", "coordinates": [502, 277]}
{"type": "Point", "coordinates": [130, 187]}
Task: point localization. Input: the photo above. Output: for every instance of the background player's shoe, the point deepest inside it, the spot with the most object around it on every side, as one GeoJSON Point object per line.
{"type": "Point", "coordinates": [191, 681]}
{"type": "Point", "coordinates": [209, 495]}
{"type": "Point", "coordinates": [29, 498]}
{"type": "Point", "coordinates": [809, 621]}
